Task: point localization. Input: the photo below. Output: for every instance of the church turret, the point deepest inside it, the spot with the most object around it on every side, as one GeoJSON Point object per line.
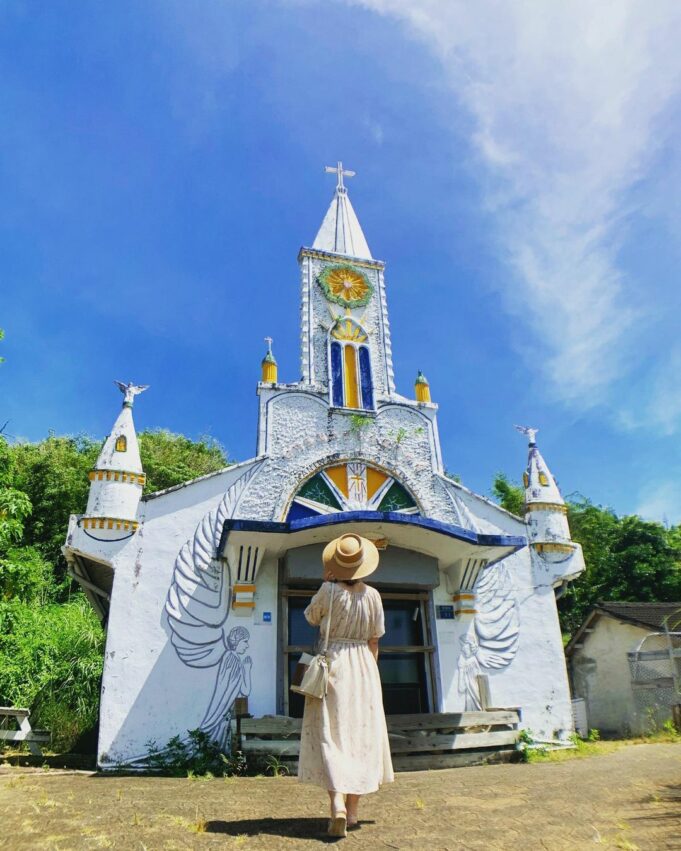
{"type": "Point", "coordinates": [269, 365]}
{"type": "Point", "coordinates": [117, 480]}
{"type": "Point", "coordinates": [422, 388]}
{"type": "Point", "coordinates": [346, 349]}
{"type": "Point", "coordinates": [545, 509]}
{"type": "Point", "coordinates": [548, 532]}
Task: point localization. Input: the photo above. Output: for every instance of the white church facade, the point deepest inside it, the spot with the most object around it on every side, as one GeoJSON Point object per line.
{"type": "Point", "coordinates": [202, 587]}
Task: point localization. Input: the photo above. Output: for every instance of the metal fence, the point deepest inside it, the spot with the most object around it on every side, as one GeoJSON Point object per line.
{"type": "Point", "coordinates": [655, 668]}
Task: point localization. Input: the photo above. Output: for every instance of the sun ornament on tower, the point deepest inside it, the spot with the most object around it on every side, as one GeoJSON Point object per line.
{"type": "Point", "coordinates": [548, 531]}
{"type": "Point", "coordinates": [117, 480]}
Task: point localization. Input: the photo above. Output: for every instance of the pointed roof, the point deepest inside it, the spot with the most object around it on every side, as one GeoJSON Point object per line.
{"type": "Point", "coordinates": [127, 459]}
{"type": "Point", "coordinates": [540, 486]}
{"type": "Point", "coordinates": [341, 232]}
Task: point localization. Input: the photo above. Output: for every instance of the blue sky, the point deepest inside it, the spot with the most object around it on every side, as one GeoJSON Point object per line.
{"type": "Point", "coordinates": [162, 162]}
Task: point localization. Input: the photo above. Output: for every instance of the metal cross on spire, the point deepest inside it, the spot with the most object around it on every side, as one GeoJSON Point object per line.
{"type": "Point", "coordinates": [269, 342]}
{"type": "Point", "coordinates": [341, 172]}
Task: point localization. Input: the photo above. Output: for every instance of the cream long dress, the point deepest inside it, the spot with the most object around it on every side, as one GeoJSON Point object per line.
{"type": "Point", "coordinates": [344, 740]}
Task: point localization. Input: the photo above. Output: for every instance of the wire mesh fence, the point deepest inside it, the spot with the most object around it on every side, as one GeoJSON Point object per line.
{"type": "Point", "coordinates": [655, 668]}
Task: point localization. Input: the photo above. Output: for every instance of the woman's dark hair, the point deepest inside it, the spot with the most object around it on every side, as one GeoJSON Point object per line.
{"type": "Point", "coordinates": [347, 581]}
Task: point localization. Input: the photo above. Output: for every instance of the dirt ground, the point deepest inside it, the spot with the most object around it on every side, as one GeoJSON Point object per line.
{"type": "Point", "coordinates": [629, 799]}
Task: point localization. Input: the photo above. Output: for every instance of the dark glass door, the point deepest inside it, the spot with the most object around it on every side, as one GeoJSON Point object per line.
{"type": "Point", "coordinates": [404, 657]}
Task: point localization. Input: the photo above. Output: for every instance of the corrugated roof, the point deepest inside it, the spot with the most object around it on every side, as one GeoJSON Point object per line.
{"type": "Point", "coordinates": [647, 614]}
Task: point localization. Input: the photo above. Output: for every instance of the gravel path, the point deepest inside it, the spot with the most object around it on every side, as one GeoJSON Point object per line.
{"type": "Point", "coordinates": [629, 799]}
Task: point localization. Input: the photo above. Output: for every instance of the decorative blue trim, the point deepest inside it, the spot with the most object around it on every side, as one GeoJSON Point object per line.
{"type": "Point", "coordinates": [365, 379]}
{"type": "Point", "coordinates": [337, 374]}
{"type": "Point", "coordinates": [517, 542]}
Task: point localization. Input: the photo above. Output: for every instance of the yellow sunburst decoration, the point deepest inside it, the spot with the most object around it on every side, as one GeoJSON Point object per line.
{"type": "Point", "coordinates": [346, 329]}
{"type": "Point", "coordinates": [345, 285]}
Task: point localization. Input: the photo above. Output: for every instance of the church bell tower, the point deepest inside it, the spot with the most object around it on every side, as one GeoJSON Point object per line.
{"type": "Point", "coordinates": [345, 333]}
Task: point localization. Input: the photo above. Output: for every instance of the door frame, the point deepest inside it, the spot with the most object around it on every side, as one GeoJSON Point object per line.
{"type": "Point", "coordinates": [430, 650]}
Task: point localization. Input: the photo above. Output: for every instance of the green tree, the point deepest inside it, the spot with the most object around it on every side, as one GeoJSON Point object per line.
{"type": "Point", "coordinates": [509, 494]}
{"type": "Point", "coordinates": [53, 473]}
{"type": "Point", "coordinates": [627, 558]}
{"type": "Point", "coordinates": [169, 459]}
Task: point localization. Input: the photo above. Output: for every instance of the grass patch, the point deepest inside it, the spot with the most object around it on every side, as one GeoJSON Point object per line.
{"type": "Point", "coordinates": [534, 752]}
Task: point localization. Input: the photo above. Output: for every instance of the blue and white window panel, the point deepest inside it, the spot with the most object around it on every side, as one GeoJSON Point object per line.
{"type": "Point", "coordinates": [351, 381]}
{"type": "Point", "coordinates": [337, 396]}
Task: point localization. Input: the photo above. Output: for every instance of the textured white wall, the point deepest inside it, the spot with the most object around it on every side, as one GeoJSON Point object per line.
{"type": "Point", "coordinates": [147, 692]}
{"type": "Point", "coordinates": [548, 526]}
{"type": "Point", "coordinates": [113, 499]}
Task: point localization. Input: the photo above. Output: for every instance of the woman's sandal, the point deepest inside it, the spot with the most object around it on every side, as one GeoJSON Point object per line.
{"type": "Point", "coordinates": [338, 825]}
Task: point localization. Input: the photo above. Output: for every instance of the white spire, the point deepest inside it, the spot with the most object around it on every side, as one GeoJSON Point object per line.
{"type": "Point", "coordinates": [117, 480]}
{"type": "Point", "coordinates": [540, 486]}
{"type": "Point", "coordinates": [121, 450]}
{"type": "Point", "coordinates": [341, 232]}
{"type": "Point", "coordinates": [545, 509]}
{"type": "Point", "coordinates": [548, 532]}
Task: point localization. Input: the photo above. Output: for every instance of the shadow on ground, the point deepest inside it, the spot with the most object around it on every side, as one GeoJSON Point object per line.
{"type": "Point", "coordinates": [668, 802]}
{"type": "Point", "coordinates": [297, 828]}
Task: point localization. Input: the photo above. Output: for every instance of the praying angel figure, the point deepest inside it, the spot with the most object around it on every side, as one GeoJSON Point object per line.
{"type": "Point", "coordinates": [233, 680]}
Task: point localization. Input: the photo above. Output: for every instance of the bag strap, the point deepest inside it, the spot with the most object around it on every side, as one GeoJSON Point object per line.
{"type": "Point", "coordinates": [328, 619]}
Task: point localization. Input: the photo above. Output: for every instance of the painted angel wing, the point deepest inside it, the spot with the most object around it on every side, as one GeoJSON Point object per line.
{"type": "Point", "coordinates": [198, 599]}
{"type": "Point", "coordinates": [497, 624]}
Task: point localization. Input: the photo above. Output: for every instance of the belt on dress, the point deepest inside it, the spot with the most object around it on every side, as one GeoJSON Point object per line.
{"type": "Point", "coordinates": [347, 641]}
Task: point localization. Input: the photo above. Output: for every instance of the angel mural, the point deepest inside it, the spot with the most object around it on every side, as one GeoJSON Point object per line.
{"type": "Point", "coordinates": [197, 607]}
{"type": "Point", "coordinates": [493, 642]}
{"type": "Point", "coordinates": [202, 639]}
{"type": "Point", "coordinates": [233, 680]}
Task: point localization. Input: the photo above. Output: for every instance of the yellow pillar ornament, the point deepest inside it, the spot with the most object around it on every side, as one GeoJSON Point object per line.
{"type": "Point", "coordinates": [269, 365]}
{"type": "Point", "coordinates": [422, 388]}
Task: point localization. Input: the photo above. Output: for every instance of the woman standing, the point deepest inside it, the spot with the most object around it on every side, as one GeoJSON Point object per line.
{"type": "Point", "coordinates": [344, 739]}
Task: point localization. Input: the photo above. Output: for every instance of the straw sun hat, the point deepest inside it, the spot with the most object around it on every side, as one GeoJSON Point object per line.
{"type": "Point", "coordinates": [350, 557]}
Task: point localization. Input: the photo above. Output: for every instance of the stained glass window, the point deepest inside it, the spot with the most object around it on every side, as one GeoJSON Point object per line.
{"type": "Point", "coordinates": [396, 499]}
{"type": "Point", "coordinates": [350, 486]}
{"type": "Point", "coordinates": [317, 490]}
{"type": "Point", "coordinates": [337, 374]}
{"type": "Point", "coordinates": [365, 379]}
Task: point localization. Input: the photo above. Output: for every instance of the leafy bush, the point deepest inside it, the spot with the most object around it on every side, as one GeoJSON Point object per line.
{"type": "Point", "coordinates": [196, 756]}
{"type": "Point", "coordinates": [51, 661]}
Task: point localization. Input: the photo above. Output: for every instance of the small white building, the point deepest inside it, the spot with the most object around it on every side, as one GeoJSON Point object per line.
{"type": "Point", "coordinates": [625, 663]}
{"type": "Point", "coordinates": [202, 587]}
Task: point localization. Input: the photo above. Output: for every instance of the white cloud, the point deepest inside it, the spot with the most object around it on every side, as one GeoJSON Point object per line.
{"type": "Point", "coordinates": [570, 104]}
{"type": "Point", "coordinates": [658, 404]}
{"type": "Point", "coordinates": [661, 502]}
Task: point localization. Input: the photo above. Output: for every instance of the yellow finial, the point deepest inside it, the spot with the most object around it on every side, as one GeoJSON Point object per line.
{"type": "Point", "coordinates": [269, 365]}
{"type": "Point", "coordinates": [422, 388]}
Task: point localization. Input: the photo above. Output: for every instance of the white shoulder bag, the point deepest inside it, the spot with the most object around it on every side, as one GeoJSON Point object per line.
{"type": "Point", "coordinates": [311, 676]}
